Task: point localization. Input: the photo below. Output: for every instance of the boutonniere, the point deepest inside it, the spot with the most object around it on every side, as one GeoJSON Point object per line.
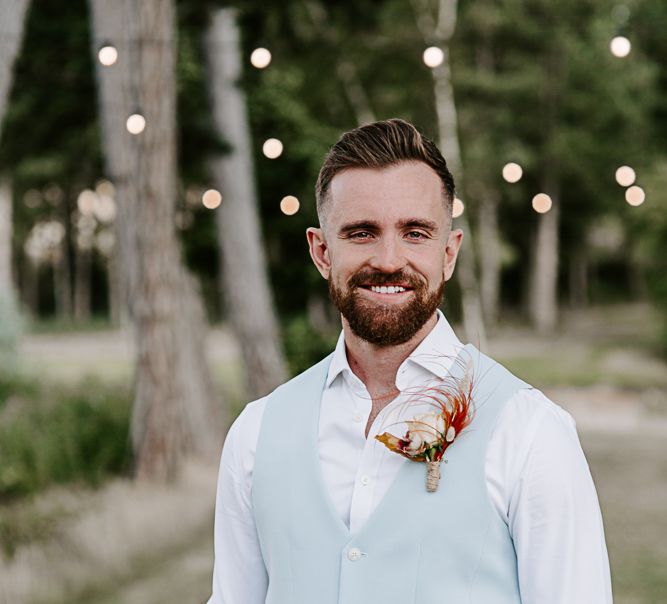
{"type": "Point", "coordinates": [430, 434]}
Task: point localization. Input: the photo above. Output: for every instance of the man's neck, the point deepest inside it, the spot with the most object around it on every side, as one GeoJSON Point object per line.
{"type": "Point", "coordinates": [376, 366]}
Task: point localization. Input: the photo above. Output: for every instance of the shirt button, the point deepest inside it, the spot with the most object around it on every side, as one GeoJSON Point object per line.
{"type": "Point", "coordinates": [357, 418]}
{"type": "Point", "coordinates": [354, 554]}
{"type": "Point", "coordinates": [365, 480]}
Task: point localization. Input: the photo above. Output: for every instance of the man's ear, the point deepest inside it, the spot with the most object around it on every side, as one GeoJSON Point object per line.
{"type": "Point", "coordinates": [319, 250]}
{"type": "Point", "coordinates": [452, 251]}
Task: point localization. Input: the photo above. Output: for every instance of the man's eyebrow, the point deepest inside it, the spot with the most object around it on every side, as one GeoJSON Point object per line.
{"type": "Point", "coordinates": [365, 225]}
{"type": "Point", "coordinates": [419, 223]}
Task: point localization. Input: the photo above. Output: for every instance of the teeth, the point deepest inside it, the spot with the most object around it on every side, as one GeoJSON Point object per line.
{"type": "Point", "coordinates": [391, 289]}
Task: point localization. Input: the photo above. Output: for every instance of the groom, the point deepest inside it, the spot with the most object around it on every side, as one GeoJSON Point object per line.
{"type": "Point", "coordinates": [312, 508]}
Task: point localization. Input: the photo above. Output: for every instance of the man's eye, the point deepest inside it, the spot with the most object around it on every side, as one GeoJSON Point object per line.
{"type": "Point", "coordinates": [360, 235]}
{"type": "Point", "coordinates": [416, 235]}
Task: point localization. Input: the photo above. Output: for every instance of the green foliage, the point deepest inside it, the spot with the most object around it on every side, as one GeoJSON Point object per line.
{"type": "Point", "coordinates": [56, 435]}
{"type": "Point", "coordinates": [304, 346]}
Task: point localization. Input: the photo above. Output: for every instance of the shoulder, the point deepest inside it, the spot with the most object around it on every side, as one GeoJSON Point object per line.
{"type": "Point", "coordinates": [530, 421]}
{"type": "Point", "coordinates": [238, 454]}
{"type": "Point", "coordinates": [533, 438]}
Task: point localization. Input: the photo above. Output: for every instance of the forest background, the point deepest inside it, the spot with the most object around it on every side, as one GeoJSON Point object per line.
{"type": "Point", "coordinates": [151, 283]}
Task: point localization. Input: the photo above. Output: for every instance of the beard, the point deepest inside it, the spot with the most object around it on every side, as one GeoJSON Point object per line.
{"type": "Point", "coordinates": [386, 324]}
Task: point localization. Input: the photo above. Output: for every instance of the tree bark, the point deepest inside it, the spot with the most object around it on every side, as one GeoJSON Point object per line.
{"type": "Point", "coordinates": [544, 275]}
{"type": "Point", "coordinates": [172, 414]}
{"type": "Point", "coordinates": [82, 275]}
{"type": "Point", "coordinates": [543, 288]}
{"type": "Point", "coordinates": [489, 257]}
{"type": "Point", "coordinates": [438, 28]}
{"type": "Point", "coordinates": [578, 273]}
{"type": "Point", "coordinates": [12, 18]}
{"type": "Point", "coordinates": [244, 280]}
{"type": "Point", "coordinates": [6, 281]}
{"type": "Point", "coordinates": [62, 280]}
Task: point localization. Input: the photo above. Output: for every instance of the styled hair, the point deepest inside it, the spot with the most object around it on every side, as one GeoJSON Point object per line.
{"type": "Point", "coordinates": [379, 145]}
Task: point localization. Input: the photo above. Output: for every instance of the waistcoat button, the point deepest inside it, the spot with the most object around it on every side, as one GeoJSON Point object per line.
{"type": "Point", "coordinates": [354, 554]}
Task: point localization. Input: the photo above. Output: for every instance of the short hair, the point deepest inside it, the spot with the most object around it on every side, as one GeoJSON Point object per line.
{"type": "Point", "coordinates": [379, 145]}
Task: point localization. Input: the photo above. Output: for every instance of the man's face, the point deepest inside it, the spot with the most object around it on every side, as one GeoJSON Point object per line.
{"type": "Point", "coordinates": [386, 250]}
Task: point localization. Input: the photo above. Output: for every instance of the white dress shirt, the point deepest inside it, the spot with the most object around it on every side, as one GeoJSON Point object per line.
{"type": "Point", "coordinates": [537, 477]}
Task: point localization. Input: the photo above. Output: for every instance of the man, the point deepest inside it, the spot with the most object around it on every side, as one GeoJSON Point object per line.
{"type": "Point", "coordinates": [311, 507]}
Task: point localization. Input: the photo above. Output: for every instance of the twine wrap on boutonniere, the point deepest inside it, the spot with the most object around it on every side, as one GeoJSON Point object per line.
{"type": "Point", "coordinates": [430, 434]}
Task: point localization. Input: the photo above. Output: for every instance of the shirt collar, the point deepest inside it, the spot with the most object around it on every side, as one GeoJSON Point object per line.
{"type": "Point", "coordinates": [435, 353]}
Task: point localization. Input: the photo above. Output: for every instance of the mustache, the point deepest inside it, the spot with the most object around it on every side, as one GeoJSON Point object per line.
{"type": "Point", "coordinates": [375, 278]}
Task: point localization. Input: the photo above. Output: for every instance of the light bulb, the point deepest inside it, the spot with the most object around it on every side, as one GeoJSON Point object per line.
{"type": "Point", "coordinates": [136, 123]}
{"type": "Point", "coordinates": [625, 176]}
{"type": "Point", "coordinates": [272, 148]}
{"type": "Point", "coordinates": [542, 203]}
{"type": "Point", "coordinates": [433, 56]}
{"type": "Point", "coordinates": [260, 58]}
{"type": "Point", "coordinates": [211, 199]}
{"type": "Point", "coordinates": [620, 47]}
{"type": "Point", "coordinates": [457, 208]}
{"type": "Point", "coordinates": [289, 205]}
{"type": "Point", "coordinates": [635, 195]}
{"type": "Point", "coordinates": [107, 55]}
{"type": "Point", "coordinates": [512, 172]}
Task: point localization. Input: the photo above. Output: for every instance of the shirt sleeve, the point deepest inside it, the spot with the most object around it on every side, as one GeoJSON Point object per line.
{"type": "Point", "coordinates": [239, 574]}
{"type": "Point", "coordinates": [555, 519]}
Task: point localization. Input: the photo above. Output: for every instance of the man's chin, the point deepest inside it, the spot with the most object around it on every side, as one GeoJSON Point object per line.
{"type": "Point", "coordinates": [386, 325]}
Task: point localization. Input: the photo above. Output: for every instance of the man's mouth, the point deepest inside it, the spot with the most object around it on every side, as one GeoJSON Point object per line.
{"type": "Point", "coordinates": [387, 289]}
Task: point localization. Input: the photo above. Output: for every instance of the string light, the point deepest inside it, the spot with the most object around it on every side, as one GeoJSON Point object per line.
{"type": "Point", "coordinates": [260, 58]}
{"type": "Point", "coordinates": [107, 55]}
{"type": "Point", "coordinates": [104, 188]}
{"type": "Point", "coordinates": [85, 202]}
{"type": "Point", "coordinates": [625, 176]}
{"type": "Point", "coordinates": [635, 195]}
{"type": "Point", "coordinates": [620, 46]}
{"type": "Point", "coordinates": [272, 148]}
{"type": "Point", "coordinates": [211, 199]}
{"type": "Point", "coordinates": [457, 208]}
{"type": "Point", "coordinates": [542, 203]}
{"type": "Point", "coordinates": [433, 56]}
{"type": "Point", "coordinates": [289, 205]}
{"type": "Point", "coordinates": [512, 172]}
{"type": "Point", "coordinates": [136, 123]}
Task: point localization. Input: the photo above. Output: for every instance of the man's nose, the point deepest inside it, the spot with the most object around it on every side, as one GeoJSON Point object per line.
{"type": "Point", "coordinates": [388, 256]}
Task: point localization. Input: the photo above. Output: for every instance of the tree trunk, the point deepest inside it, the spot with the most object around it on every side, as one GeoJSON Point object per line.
{"type": "Point", "coordinates": [489, 257]}
{"type": "Point", "coordinates": [172, 412]}
{"type": "Point", "coordinates": [578, 273]}
{"type": "Point", "coordinates": [62, 279]}
{"type": "Point", "coordinates": [244, 279]}
{"type": "Point", "coordinates": [82, 275]}
{"type": "Point", "coordinates": [439, 30]}
{"type": "Point", "coordinates": [543, 288]}
{"type": "Point", "coordinates": [543, 304]}
{"type": "Point", "coordinates": [12, 19]}
{"type": "Point", "coordinates": [6, 281]}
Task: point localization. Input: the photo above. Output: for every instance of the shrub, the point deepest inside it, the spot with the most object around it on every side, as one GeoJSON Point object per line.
{"type": "Point", "coordinates": [304, 346]}
{"type": "Point", "coordinates": [61, 435]}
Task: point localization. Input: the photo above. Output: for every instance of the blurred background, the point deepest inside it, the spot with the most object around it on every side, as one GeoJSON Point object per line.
{"type": "Point", "coordinates": [157, 170]}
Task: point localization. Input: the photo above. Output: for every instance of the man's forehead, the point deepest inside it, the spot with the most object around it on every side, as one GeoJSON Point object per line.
{"type": "Point", "coordinates": [398, 192]}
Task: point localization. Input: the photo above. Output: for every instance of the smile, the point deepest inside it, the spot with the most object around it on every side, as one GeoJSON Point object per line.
{"type": "Point", "coordinates": [387, 289]}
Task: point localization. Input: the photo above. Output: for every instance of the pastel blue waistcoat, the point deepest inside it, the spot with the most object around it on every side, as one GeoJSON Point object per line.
{"type": "Point", "coordinates": [447, 547]}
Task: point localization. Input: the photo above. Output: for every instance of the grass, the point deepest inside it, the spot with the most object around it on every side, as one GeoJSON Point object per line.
{"type": "Point", "coordinates": [630, 478]}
